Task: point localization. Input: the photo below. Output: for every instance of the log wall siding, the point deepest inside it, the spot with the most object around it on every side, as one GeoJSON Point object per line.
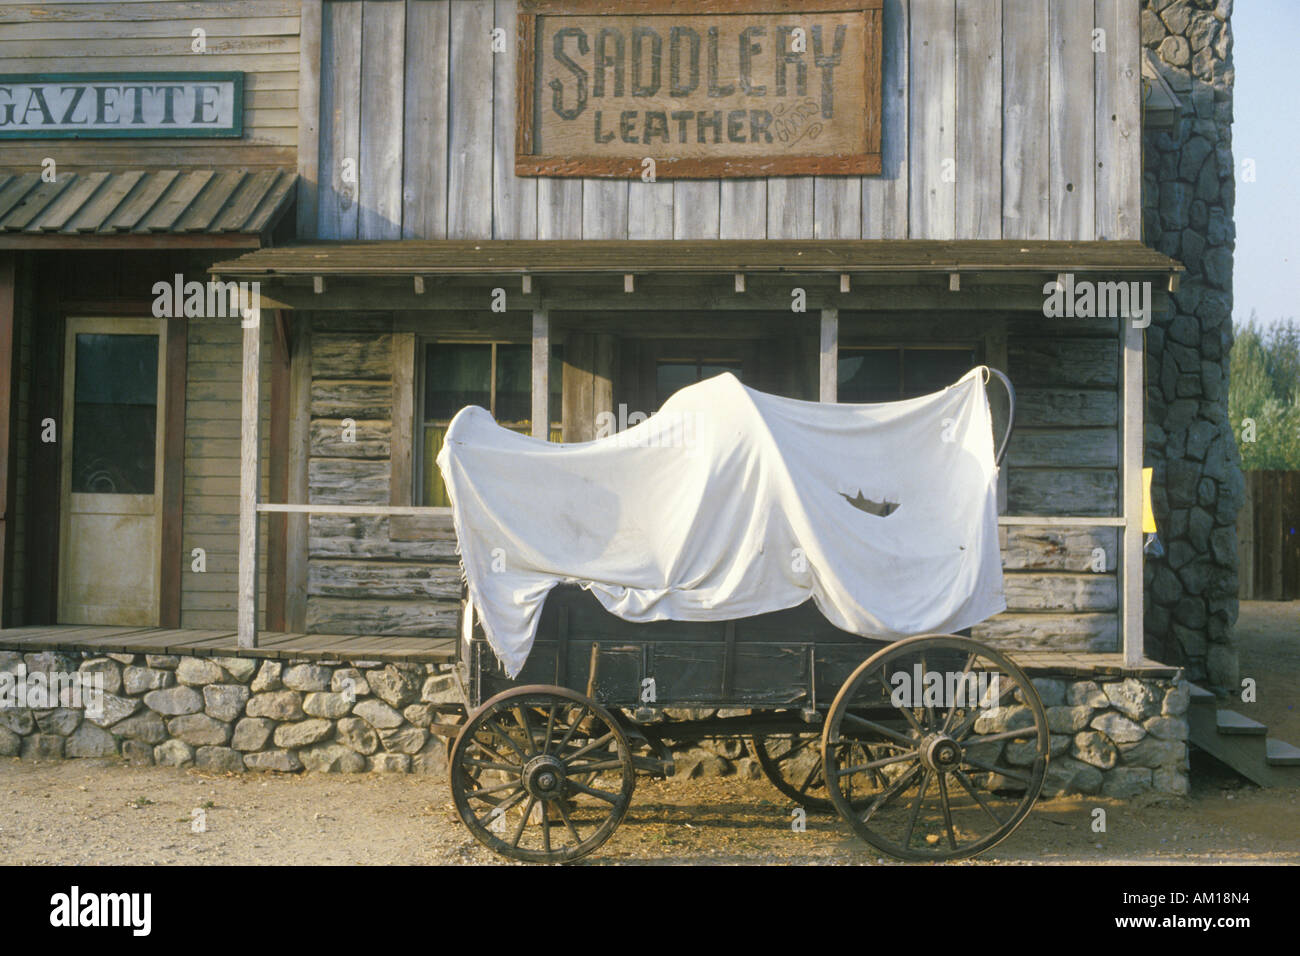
{"type": "Point", "coordinates": [1000, 121]}
{"type": "Point", "coordinates": [211, 499]}
{"type": "Point", "coordinates": [24, 320]}
{"type": "Point", "coordinates": [256, 37]}
{"type": "Point", "coordinates": [360, 580]}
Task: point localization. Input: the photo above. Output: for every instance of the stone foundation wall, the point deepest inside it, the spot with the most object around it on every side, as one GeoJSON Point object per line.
{"type": "Point", "coordinates": [238, 713]}
{"type": "Point", "coordinates": [1117, 737]}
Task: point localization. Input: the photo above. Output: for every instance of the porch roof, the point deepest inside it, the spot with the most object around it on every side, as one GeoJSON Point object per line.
{"type": "Point", "coordinates": [100, 210]}
{"type": "Point", "coordinates": [1129, 258]}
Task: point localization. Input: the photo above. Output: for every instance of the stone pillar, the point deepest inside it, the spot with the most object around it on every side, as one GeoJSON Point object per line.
{"type": "Point", "coordinates": [1187, 198]}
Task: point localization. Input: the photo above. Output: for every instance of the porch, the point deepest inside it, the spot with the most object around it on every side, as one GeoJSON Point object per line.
{"type": "Point", "coordinates": [197, 642]}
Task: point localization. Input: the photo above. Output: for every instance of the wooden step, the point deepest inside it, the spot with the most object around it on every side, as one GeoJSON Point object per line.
{"type": "Point", "coordinates": [1279, 753]}
{"type": "Point", "coordinates": [1231, 722]}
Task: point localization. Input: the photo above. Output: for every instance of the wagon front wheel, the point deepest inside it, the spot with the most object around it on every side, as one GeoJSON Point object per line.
{"type": "Point", "coordinates": [541, 774]}
{"type": "Point", "coordinates": [793, 764]}
{"type": "Point", "coordinates": [956, 746]}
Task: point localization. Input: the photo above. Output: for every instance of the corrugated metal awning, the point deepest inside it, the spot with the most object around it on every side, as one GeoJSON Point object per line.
{"type": "Point", "coordinates": [89, 210]}
{"type": "Point", "coordinates": [642, 257]}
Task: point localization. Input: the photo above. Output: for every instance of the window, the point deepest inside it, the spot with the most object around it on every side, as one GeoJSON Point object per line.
{"type": "Point", "coordinates": [115, 432]}
{"type": "Point", "coordinates": [887, 374]}
{"type": "Point", "coordinates": [672, 374]}
{"type": "Point", "coordinates": [493, 375]}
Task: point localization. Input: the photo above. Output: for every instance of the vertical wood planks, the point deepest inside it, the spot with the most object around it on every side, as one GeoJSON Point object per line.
{"type": "Point", "coordinates": [1025, 177]}
{"type": "Point", "coordinates": [1071, 141]}
{"type": "Point", "coordinates": [837, 207]}
{"type": "Point", "coordinates": [604, 209]}
{"type": "Point", "coordinates": [9, 414]}
{"type": "Point", "coordinates": [979, 119]}
{"type": "Point", "coordinates": [541, 371]}
{"type": "Point", "coordinates": [383, 32]}
{"type": "Point", "coordinates": [884, 197]}
{"type": "Point", "coordinates": [309, 72]}
{"type": "Point", "coordinates": [1119, 122]}
{"type": "Point", "coordinates": [559, 209]}
{"type": "Point", "coordinates": [790, 207]}
{"type": "Point", "coordinates": [1133, 399]}
{"type": "Point", "coordinates": [295, 541]}
{"type": "Point", "coordinates": [696, 208]}
{"type": "Point", "coordinates": [649, 210]}
{"type": "Point", "coordinates": [250, 422]}
{"type": "Point", "coordinates": [340, 123]}
{"type": "Point", "coordinates": [742, 209]}
{"type": "Point", "coordinates": [514, 198]}
{"type": "Point", "coordinates": [828, 376]}
{"type": "Point", "coordinates": [932, 124]}
{"type": "Point", "coordinates": [424, 149]}
{"type": "Point", "coordinates": [469, 180]}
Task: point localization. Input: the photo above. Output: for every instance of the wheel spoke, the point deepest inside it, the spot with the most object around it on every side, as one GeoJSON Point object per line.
{"type": "Point", "coordinates": [546, 823]}
{"type": "Point", "coordinates": [969, 722]}
{"type": "Point", "coordinates": [1001, 735]}
{"type": "Point", "coordinates": [1002, 771]}
{"type": "Point", "coordinates": [572, 728]}
{"type": "Point", "coordinates": [886, 796]}
{"type": "Point", "coordinates": [947, 811]}
{"type": "Point", "coordinates": [481, 792]}
{"type": "Point", "coordinates": [568, 822]}
{"type": "Point", "coordinates": [550, 730]}
{"type": "Point", "coordinates": [879, 729]}
{"type": "Point", "coordinates": [587, 748]}
{"type": "Point", "coordinates": [807, 781]}
{"type": "Point", "coordinates": [491, 723]}
{"type": "Point", "coordinates": [929, 711]}
{"type": "Point", "coordinates": [966, 782]}
{"type": "Point", "coordinates": [916, 807]}
{"type": "Point", "coordinates": [490, 765]}
{"type": "Point", "coordinates": [503, 806]}
{"type": "Point", "coordinates": [593, 767]}
{"type": "Point", "coordinates": [612, 798]}
{"type": "Point", "coordinates": [522, 713]}
{"type": "Point", "coordinates": [523, 821]}
{"type": "Point", "coordinates": [882, 762]}
{"type": "Point", "coordinates": [952, 709]}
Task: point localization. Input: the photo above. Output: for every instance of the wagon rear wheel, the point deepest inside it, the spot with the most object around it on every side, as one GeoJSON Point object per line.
{"type": "Point", "coordinates": [957, 742]}
{"type": "Point", "coordinates": [541, 774]}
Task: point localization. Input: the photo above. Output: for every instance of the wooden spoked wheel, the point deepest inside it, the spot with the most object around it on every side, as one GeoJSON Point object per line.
{"type": "Point", "coordinates": [541, 774]}
{"type": "Point", "coordinates": [957, 746]}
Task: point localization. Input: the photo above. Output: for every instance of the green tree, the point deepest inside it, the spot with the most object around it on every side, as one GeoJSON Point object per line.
{"type": "Point", "coordinates": [1264, 394]}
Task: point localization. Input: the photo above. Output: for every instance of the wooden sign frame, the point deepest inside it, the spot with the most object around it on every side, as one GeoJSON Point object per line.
{"type": "Point", "coordinates": [866, 161]}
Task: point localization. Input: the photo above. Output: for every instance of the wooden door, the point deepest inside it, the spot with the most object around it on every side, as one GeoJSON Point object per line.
{"type": "Point", "coordinates": [111, 437]}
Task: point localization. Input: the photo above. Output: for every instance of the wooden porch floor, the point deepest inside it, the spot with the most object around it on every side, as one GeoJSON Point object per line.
{"type": "Point", "coordinates": [274, 644]}
{"type": "Point", "coordinates": [200, 643]}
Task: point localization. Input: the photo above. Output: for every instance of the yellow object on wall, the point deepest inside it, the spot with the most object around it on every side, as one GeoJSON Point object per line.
{"type": "Point", "coordinates": [1148, 517]}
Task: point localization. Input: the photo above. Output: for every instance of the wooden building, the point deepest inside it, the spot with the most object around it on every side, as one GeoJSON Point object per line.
{"type": "Point", "coordinates": [449, 241]}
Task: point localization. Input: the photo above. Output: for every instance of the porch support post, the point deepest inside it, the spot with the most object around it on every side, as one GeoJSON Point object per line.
{"type": "Point", "coordinates": [1134, 397]}
{"type": "Point", "coordinates": [541, 374]}
{"type": "Point", "coordinates": [248, 479]}
{"type": "Point", "coordinates": [828, 377]}
{"type": "Point", "coordinates": [9, 371]}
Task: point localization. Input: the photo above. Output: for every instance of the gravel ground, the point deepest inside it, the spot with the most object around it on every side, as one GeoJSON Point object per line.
{"type": "Point", "coordinates": [101, 811]}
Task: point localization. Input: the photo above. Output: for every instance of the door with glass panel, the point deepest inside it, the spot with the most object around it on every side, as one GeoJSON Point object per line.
{"type": "Point", "coordinates": [492, 375]}
{"type": "Point", "coordinates": [111, 495]}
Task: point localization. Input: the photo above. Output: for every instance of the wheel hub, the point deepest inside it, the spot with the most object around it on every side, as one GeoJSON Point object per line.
{"type": "Point", "coordinates": [544, 777]}
{"type": "Point", "coordinates": [941, 753]}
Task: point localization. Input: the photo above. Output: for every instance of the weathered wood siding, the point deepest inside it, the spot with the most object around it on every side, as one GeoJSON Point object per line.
{"type": "Point", "coordinates": [211, 501]}
{"type": "Point", "coordinates": [1002, 119]}
{"type": "Point", "coordinates": [360, 579]}
{"type": "Point", "coordinates": [256, 37]}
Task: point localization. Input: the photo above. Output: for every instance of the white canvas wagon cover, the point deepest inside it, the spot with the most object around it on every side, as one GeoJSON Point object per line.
{"type": "Point", "coordinates": [730, 502]}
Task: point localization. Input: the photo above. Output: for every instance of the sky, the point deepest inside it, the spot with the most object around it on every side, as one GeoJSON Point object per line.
{"type": "Point", "coordinates": [1266, 128]}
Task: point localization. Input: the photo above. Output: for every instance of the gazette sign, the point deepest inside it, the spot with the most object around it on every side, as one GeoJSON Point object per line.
{"type": "Point", "coordinates": [118, 105]}
{"type": "Point", "coordinates": [702, 89]}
